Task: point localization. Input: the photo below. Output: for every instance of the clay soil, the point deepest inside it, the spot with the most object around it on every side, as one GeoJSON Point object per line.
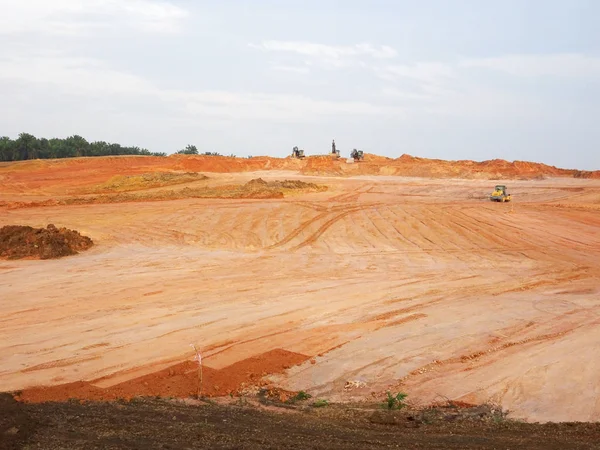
{"type": "Point", "coordinates": [352, 280]}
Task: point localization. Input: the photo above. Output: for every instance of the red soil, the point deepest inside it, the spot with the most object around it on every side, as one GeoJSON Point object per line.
{"type": "Point", "coordinates": [180, 380]}
{"type": "Point", "coordinates": [36, 176]}
{"type": "Point", "coordinates": [411, 166]}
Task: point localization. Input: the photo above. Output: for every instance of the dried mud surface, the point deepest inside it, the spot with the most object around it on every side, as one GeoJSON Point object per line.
{"type": "Point", "coordinates": [19, 242]}
{"type": "Point", "coordinates": [378, 283]}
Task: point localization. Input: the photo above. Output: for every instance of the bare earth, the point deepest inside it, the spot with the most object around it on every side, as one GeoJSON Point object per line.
{"type": "Point", "coordinates": [419, 285]}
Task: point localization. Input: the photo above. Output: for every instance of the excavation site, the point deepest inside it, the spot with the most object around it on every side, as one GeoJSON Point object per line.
{"type": "Point", "coordinates": [297, 285]}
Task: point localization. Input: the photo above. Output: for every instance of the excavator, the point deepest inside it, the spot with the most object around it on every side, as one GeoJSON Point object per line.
{"type": "Point", "coordinates": [335, 153]}
{"type": "Point", "coordinates": [500, 194]}
{"type": "Point", "coordinates": [297, 153]}
{"type": "Point", "coordinates": [357, 155]}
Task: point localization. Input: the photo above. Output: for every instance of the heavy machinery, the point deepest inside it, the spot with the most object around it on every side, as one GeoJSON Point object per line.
{"type": "Point", "coordinates": [500, 194]}
{"type": "Point", "coordinates": [297, 153]}
{"type": "Point", "coordinates": [335, 153]}
{"type": "Point", "coordinates": [357, 155]}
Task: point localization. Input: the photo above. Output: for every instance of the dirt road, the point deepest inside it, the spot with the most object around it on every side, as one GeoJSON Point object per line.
{"type": "Point", "coordinates": [409, 284]}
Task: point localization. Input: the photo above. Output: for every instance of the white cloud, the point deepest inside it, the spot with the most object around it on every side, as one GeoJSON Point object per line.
{"type": "Point", "coordinates": [74, 17]}
{"type": "Point", "coordinates": [425, 72]}
{"type": "Point", "coordinates": [290, 69]}
{"type": "Point", "coordinates": [327, 52]}
{"type": "Point", "coordinates": [557, 65]}
{"type": "Point", "coordinates": [404, 94]}
{"type": "Point", "coordinates": [91, 79]}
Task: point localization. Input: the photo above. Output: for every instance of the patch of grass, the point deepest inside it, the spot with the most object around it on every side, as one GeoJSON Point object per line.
{"type": "Point", "coordinates": [320, 403]}
{"type": "Point", "coordinates": [300, 396]}
{"type": "Point", "coordinates": [395, 402]}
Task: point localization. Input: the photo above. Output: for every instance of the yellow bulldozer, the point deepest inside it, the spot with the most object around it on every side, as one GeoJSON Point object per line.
{"type": "Point", "coordinates": [500, 194]}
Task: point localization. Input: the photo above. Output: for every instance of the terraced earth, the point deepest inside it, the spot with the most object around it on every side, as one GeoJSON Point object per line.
{"type": "Point", "coordinates": [418, 285]}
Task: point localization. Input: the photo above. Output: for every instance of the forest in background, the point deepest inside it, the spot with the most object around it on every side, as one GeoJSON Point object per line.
{"type": "Point", "coordinates": [27, 146]}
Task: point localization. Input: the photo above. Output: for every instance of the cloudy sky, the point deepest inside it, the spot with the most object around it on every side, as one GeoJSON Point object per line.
{"type": "Point", "coordinates": [451, 79]}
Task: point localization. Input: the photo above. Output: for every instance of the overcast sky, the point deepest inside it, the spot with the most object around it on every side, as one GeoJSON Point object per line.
{"type": "Point", "coordinates": [451, 79]}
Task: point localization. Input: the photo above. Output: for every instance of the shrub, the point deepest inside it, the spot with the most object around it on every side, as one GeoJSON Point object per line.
{"type": "Point", "coordinates": [395, 402]}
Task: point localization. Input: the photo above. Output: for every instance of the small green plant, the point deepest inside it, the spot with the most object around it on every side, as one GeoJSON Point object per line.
{"type": "Point", "coordinates": [300, 396]}
{"type": "Point", "coordinates": [395, 402]}
{"type": "Point", "coordinates": [320, 403]}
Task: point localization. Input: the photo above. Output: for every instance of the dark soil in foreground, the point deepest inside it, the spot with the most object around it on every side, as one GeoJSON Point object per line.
{"type": "Point", "coordinates": [162, 424]}
{"type": "Point", "coordinates": [18, 242]}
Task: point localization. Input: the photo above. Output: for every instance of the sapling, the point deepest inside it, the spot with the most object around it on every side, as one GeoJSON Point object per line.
{"type": "Point", "coordinates": [198, 358]}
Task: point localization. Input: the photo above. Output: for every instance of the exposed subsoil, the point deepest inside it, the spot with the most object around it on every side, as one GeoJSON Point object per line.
{"type": "Point", "coordinates": [18, 242]}
{"type": "Point", "coordinates": [181, 380]}
{"type": "Point", "coordinates": [162, 424]}
{"type": "Point", "coordinates": [389, 283]}
{"type": "Point", "coordinates": [123, 183]}
{"type": "Point", "coordinates": [98, 173]}
{"type": "Point", "coordinates": [125, 190]}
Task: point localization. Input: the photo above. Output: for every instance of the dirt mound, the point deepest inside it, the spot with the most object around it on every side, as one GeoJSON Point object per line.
{"type": "Point", "coordinates": [180, 380]}
{"type": "Point", "coordinates": [259, 183]}
{"type": "Point", "coordinates": [296, 184]}
{"type": "Point", "coordinates": [123, 183]}
{"type": "Point", "coordinates": [18, 242]}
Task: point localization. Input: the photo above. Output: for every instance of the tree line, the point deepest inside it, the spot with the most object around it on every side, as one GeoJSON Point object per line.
{"type": "Point", "coordinates": [27, 146]}
{"type": "Point", "coordinates": [193, 150]}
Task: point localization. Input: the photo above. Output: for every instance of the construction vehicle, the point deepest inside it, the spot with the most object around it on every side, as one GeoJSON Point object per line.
{"type": "Point", "coordinates": [357, 155]}
{"type": "Point", "coordinates": [500, 194]}
{"type": "Point", "coordinates": [297, 153]}
{"type": "Point", "coordinates": [335, 153]}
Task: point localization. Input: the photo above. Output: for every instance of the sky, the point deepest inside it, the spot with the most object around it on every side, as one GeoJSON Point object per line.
{"type": "Point", "coordinates": [449, 79]}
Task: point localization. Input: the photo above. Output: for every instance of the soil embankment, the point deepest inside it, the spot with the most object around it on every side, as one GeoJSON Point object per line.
{"type": "Point", "coordinates": [126, 173]}
{"type": "Point", "coordinates": [182, 380]}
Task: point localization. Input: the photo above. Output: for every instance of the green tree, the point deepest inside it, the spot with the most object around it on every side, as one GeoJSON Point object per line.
{"type": "Point", "coordinates": [77, 146]}
{"type": "Point", "coordinates": [188, 150]}
{"type": "Point", "coordinates": [26, 146]}
{"type": "Point", "coordinates": [6, 148]}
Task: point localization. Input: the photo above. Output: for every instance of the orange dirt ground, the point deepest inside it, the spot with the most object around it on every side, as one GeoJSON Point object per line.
{"type": "Point", "coordinates": [382, 281]}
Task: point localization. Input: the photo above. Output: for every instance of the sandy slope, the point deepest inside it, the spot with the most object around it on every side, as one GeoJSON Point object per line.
{"type": "Point", "coordinates": [413, 284]}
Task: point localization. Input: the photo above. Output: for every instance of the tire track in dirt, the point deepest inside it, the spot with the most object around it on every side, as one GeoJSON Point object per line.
{"type": "Point", "coordinates": [369, 220]}
{"type": "Point", "coordinates": [392, 223]}
{"type": "Point", "coordinates": [480, 356]}
{"type": "Point", "coordinates": [328, 224]}
{"type": "Point", "coordinates": [298, 230]}
{"type": "Point", "coordinates": [353, 195]}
